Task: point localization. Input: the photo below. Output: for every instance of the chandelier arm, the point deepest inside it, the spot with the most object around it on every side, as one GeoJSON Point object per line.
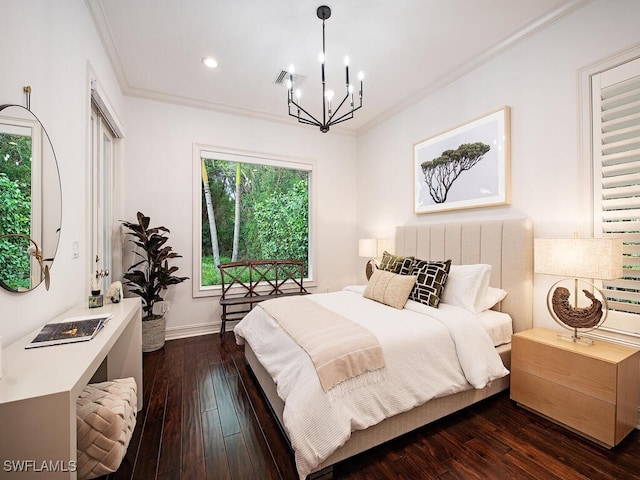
{"type": "Point", "coordinates": [339, 107]}
{"type": "Point", "coordinates": [347, 116]}
{"type": "Point", "coordinates": [342, 119]}
{"type": "Point", "coordinates": [311, 120]}
{"type": "Point", "coordinates": [311, 117]}
{"type": "Point", "coordinates": [307, 121]}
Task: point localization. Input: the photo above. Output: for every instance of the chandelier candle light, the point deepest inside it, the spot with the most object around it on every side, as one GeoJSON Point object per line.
{"type": "Point", "coordinates": [329, 116]}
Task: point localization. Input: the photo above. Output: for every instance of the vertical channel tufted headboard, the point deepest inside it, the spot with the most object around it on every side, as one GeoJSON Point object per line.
{"type": "Point", "coordinates": [507, 245]}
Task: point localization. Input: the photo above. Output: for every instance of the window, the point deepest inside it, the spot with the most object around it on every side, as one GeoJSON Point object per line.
{"type": "Point", "coordinates": [616, 191]}
{"type": "Point", "coordinates": [247, 207]}
{"type": "Point", "coordinates": [104, 240]}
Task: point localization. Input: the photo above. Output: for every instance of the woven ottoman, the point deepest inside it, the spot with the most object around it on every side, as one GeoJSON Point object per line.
{"type": "Point", "coordinates": [106, 416]}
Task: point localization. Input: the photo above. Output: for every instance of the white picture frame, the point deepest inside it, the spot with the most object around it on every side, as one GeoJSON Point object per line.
{"type": "Point", "coordinates": [464, 167]}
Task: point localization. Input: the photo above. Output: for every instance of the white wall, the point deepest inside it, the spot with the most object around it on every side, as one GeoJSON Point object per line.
{"type": "Point", "coordinates": [538, 78]}
{"type": "Point", "coordinates": [158, 182]}
{"type": "Point", "coordinates": [47, 45]}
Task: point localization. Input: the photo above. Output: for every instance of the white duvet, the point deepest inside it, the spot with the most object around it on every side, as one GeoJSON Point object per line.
{"type": "Point", "coordinates": [428, 352]}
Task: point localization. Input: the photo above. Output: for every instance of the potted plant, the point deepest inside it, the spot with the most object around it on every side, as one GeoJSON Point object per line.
{"type": "Point", "coordinates": [150, 276]}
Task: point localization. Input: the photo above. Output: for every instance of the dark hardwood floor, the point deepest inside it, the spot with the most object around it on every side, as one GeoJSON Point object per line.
{"type": "Point", "coordinates": [204, 418]}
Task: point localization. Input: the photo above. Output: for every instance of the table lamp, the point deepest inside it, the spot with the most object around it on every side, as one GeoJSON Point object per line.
{"type": "Point", "coordinates": [578, 259]}
{"type": "Point", "coordinates": [373, 249]}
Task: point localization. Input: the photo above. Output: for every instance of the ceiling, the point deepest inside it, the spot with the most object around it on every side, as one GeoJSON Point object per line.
{"type": "Point", "coordinates": [405, 48]}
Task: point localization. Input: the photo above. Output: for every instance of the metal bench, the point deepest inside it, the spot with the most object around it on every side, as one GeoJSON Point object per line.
{"type": "Point", "coordinates": [247, 282]}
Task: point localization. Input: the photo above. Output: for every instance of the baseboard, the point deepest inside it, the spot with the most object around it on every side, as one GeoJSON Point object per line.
{"type": "Point", "coordinates": [185, 331]}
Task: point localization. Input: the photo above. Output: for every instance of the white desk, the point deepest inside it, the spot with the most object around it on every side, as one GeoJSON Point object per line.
{"type": "Point", "coordinates": [39, 388]}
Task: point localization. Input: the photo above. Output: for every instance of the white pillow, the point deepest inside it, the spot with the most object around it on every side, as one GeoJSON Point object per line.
{"type": "Point", "coordinates": [467, 286]}
{"type": "Point", "coordinates": [498, 325]}
{"type": "Point", "coordinates": [493, 296]}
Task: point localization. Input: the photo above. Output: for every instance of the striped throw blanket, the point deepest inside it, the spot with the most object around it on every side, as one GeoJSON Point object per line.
{"type": "Point", "coordinates": [339, 348]}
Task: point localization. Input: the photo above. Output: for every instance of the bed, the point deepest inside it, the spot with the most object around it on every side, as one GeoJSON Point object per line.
{"type": "Point", "coordinates": [506, 245]}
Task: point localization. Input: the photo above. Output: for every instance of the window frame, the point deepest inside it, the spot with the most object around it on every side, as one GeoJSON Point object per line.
{"type": "Point", "coordinates": [105, 136]}
{"type": "Point", "coordinates": [200, 151]}
{"type": "Point", "coordinates": [102, 174]}
{"type": "Point", "coordinates": [620, 326]}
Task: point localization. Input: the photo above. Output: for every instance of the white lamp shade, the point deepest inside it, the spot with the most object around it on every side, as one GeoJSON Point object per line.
{"type": "Point", "coordinates": [368, 247]}
{"type": "Point", "coordinates": [597, 258]}
{"type": "Point", "coordinates": [373, 247]}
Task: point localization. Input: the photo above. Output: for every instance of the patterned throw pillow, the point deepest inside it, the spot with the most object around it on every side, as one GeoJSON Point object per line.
{"type": "Point", "coordinates": [396, 264]}
{"type": "Point", "coordinates": [432, 277]}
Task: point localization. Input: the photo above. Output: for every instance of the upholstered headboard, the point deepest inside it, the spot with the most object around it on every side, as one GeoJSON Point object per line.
{"type": "Point", "coordinates": [507, 245]}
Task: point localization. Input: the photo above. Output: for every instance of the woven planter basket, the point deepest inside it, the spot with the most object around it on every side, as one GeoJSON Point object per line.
{"type": "Point", "coordinates": [153, 334]}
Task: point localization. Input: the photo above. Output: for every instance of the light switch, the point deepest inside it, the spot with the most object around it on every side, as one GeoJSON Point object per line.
{"type": "Point", "coordinates": [75, 249]}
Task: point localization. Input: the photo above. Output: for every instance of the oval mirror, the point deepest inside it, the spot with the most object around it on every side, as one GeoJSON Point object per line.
{"type": "Point", "coordinates": [30, 200]}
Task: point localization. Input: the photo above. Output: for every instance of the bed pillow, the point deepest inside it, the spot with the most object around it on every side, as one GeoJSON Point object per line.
{"type": "Point", "coordinates": [396, 263]}
{"type": "Point", "coordinates": [389, 288]}
{"type": "Point", "coordinates": [467, 286]}
{"type": "Point", "coordinates": [430, 281]}
{"type": "Point", "coordinates": [493, 296]}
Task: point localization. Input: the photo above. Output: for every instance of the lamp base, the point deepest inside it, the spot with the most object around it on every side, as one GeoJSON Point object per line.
{"type": "Point", "coordinates": [369, 269]}
{"type": "Point", "coordinates": [575, 338]}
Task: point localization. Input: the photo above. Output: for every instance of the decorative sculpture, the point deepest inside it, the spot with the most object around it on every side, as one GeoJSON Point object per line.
{"type": "Point", "coordinates": [576, 317]}
{"type": "Point", "coordinates": [114, 292]}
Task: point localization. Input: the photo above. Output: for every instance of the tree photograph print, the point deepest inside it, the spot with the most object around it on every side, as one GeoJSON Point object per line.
{"type": "Point", "coordinates": [464, 167]}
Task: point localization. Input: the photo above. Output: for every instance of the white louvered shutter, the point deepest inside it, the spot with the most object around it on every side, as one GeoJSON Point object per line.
{"type": "Point", "coordinates": [616, 154]}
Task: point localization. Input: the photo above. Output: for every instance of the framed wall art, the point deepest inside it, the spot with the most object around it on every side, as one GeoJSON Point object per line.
{"type": "Point", "coordinates": [465, 167]}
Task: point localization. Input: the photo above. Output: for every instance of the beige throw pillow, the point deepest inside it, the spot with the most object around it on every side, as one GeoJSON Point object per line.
{"type": "Point", "coordinates": [389, 288]}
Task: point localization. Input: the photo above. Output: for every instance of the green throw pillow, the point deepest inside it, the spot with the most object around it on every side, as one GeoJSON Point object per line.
{"type": "Point", "coordinates": [396, 264]}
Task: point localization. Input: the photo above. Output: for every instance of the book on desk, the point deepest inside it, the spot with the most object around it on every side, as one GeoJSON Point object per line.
{"type": "Point", "coordinates": [71, 330]}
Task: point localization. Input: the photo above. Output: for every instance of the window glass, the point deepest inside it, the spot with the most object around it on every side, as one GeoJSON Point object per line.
{"type": "Point", "coordinates": [102, 200]}
{"type": "Point", "coordinates": [251, 208]}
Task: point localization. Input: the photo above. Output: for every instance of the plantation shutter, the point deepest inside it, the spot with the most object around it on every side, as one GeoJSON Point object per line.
{"type": "Point", "coordinates": [616, 148]}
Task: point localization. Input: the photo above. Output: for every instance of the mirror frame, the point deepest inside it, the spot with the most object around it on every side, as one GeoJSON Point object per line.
{"type": "Point", "coordinates": [49, 245]}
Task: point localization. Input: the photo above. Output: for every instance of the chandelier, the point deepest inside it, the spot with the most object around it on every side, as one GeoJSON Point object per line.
{"type": "Point", "coordinates": [330, 116]}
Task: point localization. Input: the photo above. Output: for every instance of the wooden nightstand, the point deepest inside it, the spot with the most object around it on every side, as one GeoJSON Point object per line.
{"type": "Point", "coordinates": [592, 390]}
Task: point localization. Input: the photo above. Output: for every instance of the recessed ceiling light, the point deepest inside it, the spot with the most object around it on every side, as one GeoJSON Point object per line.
{"type": "Point", "coordinates": [210, 62]}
